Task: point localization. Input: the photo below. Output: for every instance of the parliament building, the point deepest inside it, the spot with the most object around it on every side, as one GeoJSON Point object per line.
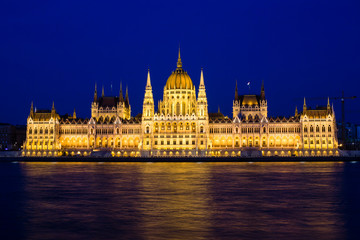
{"type": "Point", "coordinates": [181, 127]}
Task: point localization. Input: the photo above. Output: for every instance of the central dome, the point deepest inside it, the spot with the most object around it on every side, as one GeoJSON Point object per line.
{"type": "Point", "coordinates": [179, 79]}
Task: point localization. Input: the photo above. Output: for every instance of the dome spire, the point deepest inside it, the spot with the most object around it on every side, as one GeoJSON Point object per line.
{"type": "Point", "coordinates": [179, 63]}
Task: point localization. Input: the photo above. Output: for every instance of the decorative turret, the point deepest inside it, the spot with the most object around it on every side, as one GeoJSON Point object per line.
{"type": "Point", "coordinates": [296, 111]}
{"type": "Point", "coordinates": [304, 106]}
{"type": "Point", "coordinates": [74, 114]}
{"type": "Point", "coordinates": [328, 104]}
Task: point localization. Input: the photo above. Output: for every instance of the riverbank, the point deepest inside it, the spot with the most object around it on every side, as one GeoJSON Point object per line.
{"type": "Point", "coordinates": [179, 159]}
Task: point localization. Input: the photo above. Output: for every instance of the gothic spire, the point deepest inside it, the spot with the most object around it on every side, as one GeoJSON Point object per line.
{"type": "Point", "coordinates": [102, 92]}
{"type": "Point", "coordinates": [202, 84]}
{"type": "Point", "coordinates": [236, 92]}
{"type": "Point", "coordinates": [74, 114]}
{"type": "Point", "coordinates": [262, 94]}
{"type": "Point", "coordinates": [148, 82]}
{"type": "Point", "coordinates": [32, 108]}
{"type": "Point", "coordinates": [121, 97]}
{"type": "Point", "coordinates": [53, 108]}
{"type": "Point", "coordinates": [304, 107]}
{"type": "Point", "coordinates": [95, 93]}
{"type": "Point", "coordinates": [296, 111]}
{"type": "Point", "coordinates": [127, 97]}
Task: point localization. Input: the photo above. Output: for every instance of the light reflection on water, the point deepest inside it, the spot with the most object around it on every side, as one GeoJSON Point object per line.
{"type": "Point", "coordinates": [180, 200]}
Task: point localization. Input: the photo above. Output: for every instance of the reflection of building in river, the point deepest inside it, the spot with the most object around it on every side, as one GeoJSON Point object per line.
{"type": "Point", "coordinates": [182, 126]}
{"type": "Point", "coordinates": [175, 202]}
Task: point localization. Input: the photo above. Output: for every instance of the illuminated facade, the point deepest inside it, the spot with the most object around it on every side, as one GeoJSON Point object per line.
{"type": "Point", "coordinates": [181, 126]}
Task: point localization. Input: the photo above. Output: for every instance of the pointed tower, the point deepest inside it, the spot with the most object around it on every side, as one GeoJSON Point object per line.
{"type": "Point", "coordinates": [263, 102]}
{"type": "Point", "coordinates": [121, 96]}
{"type": "Point", "coordinates": [262, 94]}
{"type": "Point", "coordinates": [95, 94]}
{"type": "Point", "coordinates": [304, 106]}
{"type": "Point", "coordinates": [202, 105]}
{"type": "Point", "coordinates": [328, 104]}
{"type": "Point", "coordinates": [74, 114]}
{"type": "Point", "coordinates": [53, 108]}
{"type": "Point", "coordinates": [296, 111]}
{"type": "Point", "coordinates": [102, 92]}
{"type": "Point", "coordinates": [148, 104]}
{"type": "Point", "coordinates": [236, 102]}
{"type": "Point", "coordinates": [126, 104]}
{"type": "Point", "coordinates": [236, 92]}
{"type": "Point", "coordinates": [127, 97]}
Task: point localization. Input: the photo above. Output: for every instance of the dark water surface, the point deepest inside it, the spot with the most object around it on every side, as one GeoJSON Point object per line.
{"type": "Point", "coordinates": [180, 200]}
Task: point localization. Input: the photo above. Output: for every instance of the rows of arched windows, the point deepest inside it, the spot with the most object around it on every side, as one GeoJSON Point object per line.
{"type": "Point", "coordinates": [41, 130]}
{"type": "Point", "coordinates": [317, 128]}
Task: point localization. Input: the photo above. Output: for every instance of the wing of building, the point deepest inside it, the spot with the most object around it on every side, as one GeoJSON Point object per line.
{"type": "Point", "coordinates": [181, 126]}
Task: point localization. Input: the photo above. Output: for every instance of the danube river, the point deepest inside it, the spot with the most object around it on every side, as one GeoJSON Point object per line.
{"type": "Point", "coordinates": [180, 200]}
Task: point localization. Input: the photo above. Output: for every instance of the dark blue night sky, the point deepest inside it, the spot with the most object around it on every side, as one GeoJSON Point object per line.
{"type": "Point", "coordinates": [57, 50]}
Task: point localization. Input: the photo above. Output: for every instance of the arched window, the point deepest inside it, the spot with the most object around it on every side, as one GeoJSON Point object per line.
{"type": "Point", "coordinates": [46, 131]}
{"type": "Point", "coordinates": [329, 128]}
{"type": "Point", "coordinates": [30, 131]}
{"type": "Point", "coordinates": [201, 129]}
{"type": "Point", "coordinates": [317, 129]}
{"type": "Point", "coordinates": [311, 129]}
{"type": "Point", "coordinates": [178, 109]}
{"type": "Point", "coordinates": [117, 131]}
{"type": "Point", "coordinates": [236, 130]}
{"type": "Point", "coordinates": [305, 129]}
{"type": "Point", "coordinates": [147, 129]}
{"type": "Point", "coordinates": [323, 128]}
{"type": "Point", "coordinates": [264, 130]}
{"type": "Point", "coordinates": [41, 130]}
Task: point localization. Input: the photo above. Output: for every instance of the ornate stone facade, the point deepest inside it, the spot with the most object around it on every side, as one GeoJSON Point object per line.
{"type": "Point", "coordinates": [181, 126]}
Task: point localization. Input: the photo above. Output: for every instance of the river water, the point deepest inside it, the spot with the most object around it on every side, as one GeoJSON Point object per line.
{"type": "Point", "coordinates": [180, 200]}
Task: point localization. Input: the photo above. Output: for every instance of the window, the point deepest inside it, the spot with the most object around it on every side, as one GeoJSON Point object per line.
{"type": "Point", "coordinates": [317, 129]}
{"type": "Point", "coordinates": [311, 129]}
{"type": "Point", "coordinates": [305, 129]}
{"type": "Point", "coordinates": [329, 128]}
